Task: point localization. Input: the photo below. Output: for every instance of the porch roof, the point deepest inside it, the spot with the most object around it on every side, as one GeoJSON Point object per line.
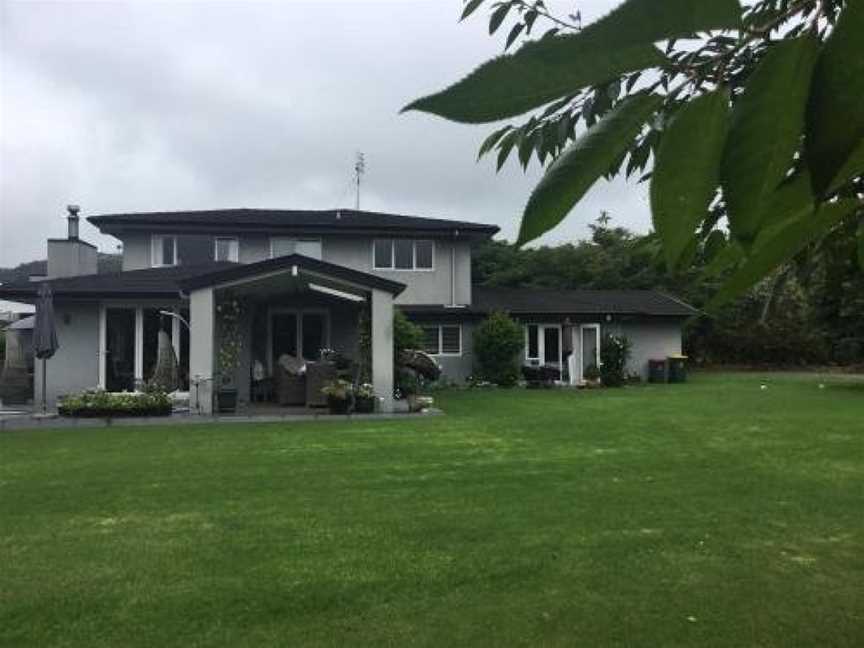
{"type": "Point", "coordinates": [238, 272]}
{"type": "Point", "coordinates": [155, 283]}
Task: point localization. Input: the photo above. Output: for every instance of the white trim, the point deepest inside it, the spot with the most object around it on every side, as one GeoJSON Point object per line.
{"type": "Point", "coordinates": [582, 328]}
{"type": "Point", "coordinates": [103, 345]}
{"type": "Point", "coordinates": [392, 267]}
{"type": "Point", "coordinates": [139, 347]}
{"type": "Point", "coordinates": [156, 250]}
{"type": "Point", "coordinates": [233, 252]}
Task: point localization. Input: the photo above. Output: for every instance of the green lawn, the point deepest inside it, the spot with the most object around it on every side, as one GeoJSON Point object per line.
{"type": "Point", "coordinates": [708, 514]}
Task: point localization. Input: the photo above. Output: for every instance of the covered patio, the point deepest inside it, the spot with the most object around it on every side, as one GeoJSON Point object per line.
{"type": "Point", "coordinates": [275, 332]}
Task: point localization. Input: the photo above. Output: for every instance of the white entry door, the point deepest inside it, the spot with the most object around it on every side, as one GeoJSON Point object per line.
{"type": "Point", "coordinates": [589, 347]}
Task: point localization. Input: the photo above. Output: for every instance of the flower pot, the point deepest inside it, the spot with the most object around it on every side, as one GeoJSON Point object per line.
{"type": "Point", "coordinates": [364, 404]}
{"type": "Point", "coordinates": [338, 405]}
{"type": "Point", "coordinates": [226, 401]}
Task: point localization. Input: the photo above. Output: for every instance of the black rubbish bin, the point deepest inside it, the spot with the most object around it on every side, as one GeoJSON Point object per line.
{"type": "Point", "coordinates": [657, 371]}
{"type": "Point", "coordinates": [677, 369]}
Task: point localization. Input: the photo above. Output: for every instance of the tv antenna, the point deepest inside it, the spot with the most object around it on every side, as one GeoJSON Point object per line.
{"type": "Point", "coordinates": [359, 170]}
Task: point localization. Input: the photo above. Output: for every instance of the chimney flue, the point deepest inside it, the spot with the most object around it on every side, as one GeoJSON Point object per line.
{"type": "Point", "coordinates": [73, 221]}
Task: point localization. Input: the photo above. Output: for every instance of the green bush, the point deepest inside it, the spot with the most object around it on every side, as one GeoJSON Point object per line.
{"type": "Point", "coordinates": [98, 403]}
{"type": "Point", "coordinates": [498, 341]}
{"type": "Point", "coordinates": [406, 334]}
{"type": "Point", "coordinates": [614, 353]}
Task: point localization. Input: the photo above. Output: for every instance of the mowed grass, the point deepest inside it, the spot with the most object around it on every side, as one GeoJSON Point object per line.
{"type": "Point", "coordinates": [708, 514]}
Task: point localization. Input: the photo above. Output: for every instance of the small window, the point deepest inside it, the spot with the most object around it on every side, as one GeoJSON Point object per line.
{"type": "Point", "coordinates": [451, 340]}
{"type": "Point", "coordinates": [383, 250]}
{"type": "Point", "coordinates": [423, 253]}
{"type": "Point", "coordinates": [403, 254]}
{"type": "Point", "coordinates": [431, 340]}
{"type": "Point", "coordinates": [227, 249]}
{"type": "Point", "coordinates": [442, 340]}
{"type": "Point", "coordinates": [164, 251]}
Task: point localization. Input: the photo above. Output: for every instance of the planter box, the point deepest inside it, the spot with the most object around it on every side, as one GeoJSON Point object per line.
{"type": "Point", "coordinates": [338, 405]}
{"type": "Point", "coordinates": [227, 401]}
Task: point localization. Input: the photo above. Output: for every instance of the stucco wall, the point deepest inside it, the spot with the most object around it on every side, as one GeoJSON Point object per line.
{"type": "Point", "coordinates": [649, 339]}
{"type": "Point", "coordinates": [424, 287]}
{"type": "Point", "coordinates": [75, 366]}
{"type": "Point", "coordinates": [458, 368]}
{"type": "Point", "coordinates": [136, 251]}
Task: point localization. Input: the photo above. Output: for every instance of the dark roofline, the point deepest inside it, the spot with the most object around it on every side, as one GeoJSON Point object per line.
{"type": "Point", "coordinates": [313, 221]}
{"type": "Point", "coordinates": [245, 270]}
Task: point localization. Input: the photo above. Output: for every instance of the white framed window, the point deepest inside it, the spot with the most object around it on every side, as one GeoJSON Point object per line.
{"type": "Point", "coordinates": [163, 250]}
{"type": "Point", "coordinates": [285, 245]}
{"type": "Point", "coordinates": [442, 339]}
{"type": "Point", "coordinates": [226, 248]}
{"type": "Point", "coordinates": [403, 254]}
{"type": "Point", "coordinates": [543, 344]}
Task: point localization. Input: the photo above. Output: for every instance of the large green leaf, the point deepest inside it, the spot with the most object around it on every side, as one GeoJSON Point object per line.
{"type": "Point", "coordinates": [765, 132]}
{"type": "Point", "coordinates": [775, 247]}
{"type": "Point", "coordinates": [687, 171]}
{"type": "Point", "coordinates": [792, 199]}
{"type": "Point", "coordinates": [835, 118]}
{"type": "Point", "coordinates": [582, 163]}
{"type": "Point", "coordinates": [544, 70]}
{"type": "Point", "coordinates": [537, 73]}
{"type": "Point", "coordinates": [853, 167]}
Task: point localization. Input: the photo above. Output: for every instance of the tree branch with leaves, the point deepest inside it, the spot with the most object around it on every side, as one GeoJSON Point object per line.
{"type": "Point", "coordinates": [747, 121]}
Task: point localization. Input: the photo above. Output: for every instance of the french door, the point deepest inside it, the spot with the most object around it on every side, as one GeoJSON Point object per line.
{"type": "Point", "coordinates": [298, 333]}
{"type": "Point", "coordinates": [543, 344]}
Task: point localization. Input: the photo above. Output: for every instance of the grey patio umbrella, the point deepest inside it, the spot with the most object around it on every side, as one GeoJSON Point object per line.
{"type": "Point", "coordinates": [44, 333]}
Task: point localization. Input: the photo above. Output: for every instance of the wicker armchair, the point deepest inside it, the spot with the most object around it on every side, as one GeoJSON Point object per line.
{"type": "Point", "coordinates": [290, 388]}
{"type": "Point", "coordinates": [318, 374]}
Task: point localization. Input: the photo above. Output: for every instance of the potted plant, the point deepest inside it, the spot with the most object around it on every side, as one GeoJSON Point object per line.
{"type": "Point", "coordinates": [229, 313]}
{"type": "Point", "coordinates": [339, 394]}
{"type": "Point", "coordinates": [364, 399]}
{"type": "Point", "coordinates": [592, 375]}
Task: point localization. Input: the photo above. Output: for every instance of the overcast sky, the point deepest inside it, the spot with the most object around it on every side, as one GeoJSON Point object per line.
{"type": "Point", "coordinates": [157, 106]}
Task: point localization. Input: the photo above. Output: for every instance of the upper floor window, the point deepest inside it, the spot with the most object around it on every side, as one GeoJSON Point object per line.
{"type": "Point", "coordinates": [285, 245]}
{"type": "Point", "coordinates": [442, 339]}
{"type": "Point", "coordinates": [226, 249]}
{"type": "Point", "coordinates": [403, 254]}
{"type": "Point", "coordinates": [163, 250]}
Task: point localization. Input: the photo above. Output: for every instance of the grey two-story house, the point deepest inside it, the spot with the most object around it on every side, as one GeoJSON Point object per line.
{"type": "Point", "coordinates": [304, 277]}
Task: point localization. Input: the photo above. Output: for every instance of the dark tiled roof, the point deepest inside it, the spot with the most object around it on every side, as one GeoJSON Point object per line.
{"type": "Point", "coordinates": [152, 282]}
{"type": "Point", "coordinates": [169, 281]}
{"type": "Point", "coordinates": [347, 220]}
{"type": "Point", "coordinates": [531, 300]}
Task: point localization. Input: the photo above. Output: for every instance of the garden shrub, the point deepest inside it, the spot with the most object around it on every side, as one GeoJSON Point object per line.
{"type": "Point", "coordinates": [406, 334]}
{"type": "Point", "coordinates": [614, 353]}
{"type": "Point", "coordinates": [498, 341]}
{"type": "Point", "coordinates": [98, 403]}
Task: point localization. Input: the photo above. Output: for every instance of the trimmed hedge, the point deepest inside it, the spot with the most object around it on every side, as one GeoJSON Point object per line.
{"type": "Point", "coordinates": [102, 404]}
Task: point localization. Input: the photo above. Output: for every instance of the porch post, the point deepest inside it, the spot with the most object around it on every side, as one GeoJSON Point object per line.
{"type": "Point", "coordinates": [382, 347]}
{"type": "Point", "coordinates": [201, 330]}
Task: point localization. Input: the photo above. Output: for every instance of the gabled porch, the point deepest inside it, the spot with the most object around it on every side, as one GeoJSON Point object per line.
{"type": "Point", "coordinates": [260, 329]}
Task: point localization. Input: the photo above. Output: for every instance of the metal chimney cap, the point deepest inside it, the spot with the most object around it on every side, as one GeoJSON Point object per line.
{"type": "Point", "coordinates": [73, 209]}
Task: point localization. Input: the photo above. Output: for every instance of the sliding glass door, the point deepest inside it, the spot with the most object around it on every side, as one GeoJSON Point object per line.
{"type": "Point", "coordinates": [119, 349]}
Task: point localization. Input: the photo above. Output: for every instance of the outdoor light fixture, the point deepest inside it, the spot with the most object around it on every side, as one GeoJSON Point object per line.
{"type": "Point", "coordinates": [336, 293]}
